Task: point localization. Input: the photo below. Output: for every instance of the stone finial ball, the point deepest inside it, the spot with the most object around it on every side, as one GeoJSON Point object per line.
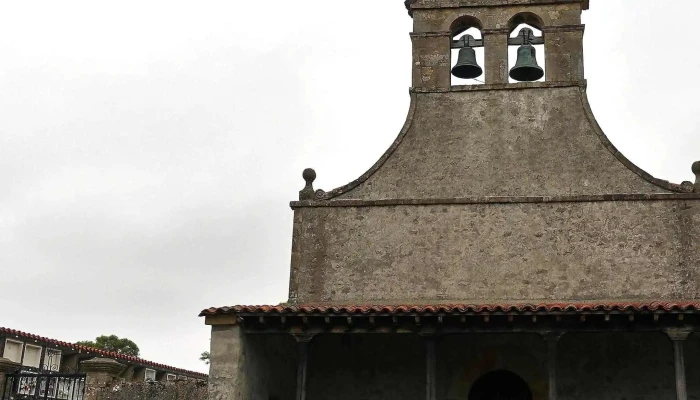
{"type": "Point", "coordinates": [309, 175]}
{"type": "Point", "coordinates": [696, 167]}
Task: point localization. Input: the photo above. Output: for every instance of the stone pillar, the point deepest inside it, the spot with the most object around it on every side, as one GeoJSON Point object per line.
{"type": "Point", "coordinates": [6, 367]}
{"type": "Point", "coordinates": [227, 363]}
{"type": "Point", "coordinates": [496, 55]}
{"type": "Point", "coordinates": [431, 369]}
{"type": "Point", "coordinates": [552, 339]}
{"type": "Point", "coordinates": [101, 373]}
{"type": "Point", "coordinates": [563, 46]}
{"type": "Point", "coordinates": [302, 364]}
{"type": "Point", "coordinates": [678, 337]}
{"type": "Point", "coordinates": [431, 60]}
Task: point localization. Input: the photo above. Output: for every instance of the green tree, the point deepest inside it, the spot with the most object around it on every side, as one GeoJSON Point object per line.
{"type": "Point", "coordinates": [204, 357]}
{"type": "Point", "coordinates": [113, 343]}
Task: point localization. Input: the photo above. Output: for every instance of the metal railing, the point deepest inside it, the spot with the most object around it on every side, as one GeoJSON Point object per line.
{"type": "Point", "coordinates": [27, 385]}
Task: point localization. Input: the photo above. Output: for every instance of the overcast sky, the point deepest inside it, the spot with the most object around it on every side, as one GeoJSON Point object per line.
{"type": "Point", "coordinates": [149, 149]}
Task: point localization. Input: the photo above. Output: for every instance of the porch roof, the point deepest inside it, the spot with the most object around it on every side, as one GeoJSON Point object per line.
{"type": "Point", "coordinates": [457, 309]}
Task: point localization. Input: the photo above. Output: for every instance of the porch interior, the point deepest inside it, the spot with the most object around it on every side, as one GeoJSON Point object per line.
{"type": "Point", "coordinates": [600, 365]}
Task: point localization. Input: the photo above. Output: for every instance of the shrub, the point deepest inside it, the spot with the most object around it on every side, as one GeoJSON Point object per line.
{"type": "Point", "coordinates": [177, 390]}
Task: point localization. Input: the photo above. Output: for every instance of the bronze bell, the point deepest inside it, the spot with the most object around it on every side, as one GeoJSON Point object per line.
{"type": "Point", "coordinates": [526, 68]}
{"type": "Point", "coordinates": [467, 67]}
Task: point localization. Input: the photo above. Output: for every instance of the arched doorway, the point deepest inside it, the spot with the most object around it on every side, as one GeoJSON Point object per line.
{"type": "Point", "coordinates": [500, 385]}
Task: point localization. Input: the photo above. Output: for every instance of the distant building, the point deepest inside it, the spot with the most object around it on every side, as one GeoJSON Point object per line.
{"type": "Point", "coordinates": [501, 248]}
{"type": "Point", "coordinates": [37, 353]}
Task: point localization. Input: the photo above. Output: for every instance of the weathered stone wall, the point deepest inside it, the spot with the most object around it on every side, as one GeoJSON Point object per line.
{"type": "Point", "coordinates": [368, 367]}
{"type": "Point", "coordinates": [251, 367]}
{"type": "Point", "coordinates": [622, 250]}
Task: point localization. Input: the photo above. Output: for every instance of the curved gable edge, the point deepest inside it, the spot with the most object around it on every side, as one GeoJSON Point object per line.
{"type": "Point", "coordinates": [322, 195]}
{"type": "Point", "coordinates": [673, 187]}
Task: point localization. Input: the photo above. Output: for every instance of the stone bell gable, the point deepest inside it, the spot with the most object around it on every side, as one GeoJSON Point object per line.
{"type": "Point", "coordinates": [500, 191]}
{"type": "Point", "coordinates": [435, 22]}
{"type": "Point", "coordinates": [499, 139]}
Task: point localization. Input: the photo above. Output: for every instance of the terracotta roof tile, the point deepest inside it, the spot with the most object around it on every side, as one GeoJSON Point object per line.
{"type": "Point", "coordinates": [104, 353]}
{"type": "Point", "coordinates": [669, 306]}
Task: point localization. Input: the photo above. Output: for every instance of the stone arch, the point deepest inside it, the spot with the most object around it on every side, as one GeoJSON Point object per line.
{"type": "Point", "coordinates": [463, 23]}
{"type": "Point", "coordinates": [500, 385]}
{"type": "Point", "coordinates": [528, 18]}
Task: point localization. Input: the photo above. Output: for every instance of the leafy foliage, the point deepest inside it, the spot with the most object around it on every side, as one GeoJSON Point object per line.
{"type": "Point", "coordinates": [114, 344]}
{"type": "Point", "coordinates": [205, 357]}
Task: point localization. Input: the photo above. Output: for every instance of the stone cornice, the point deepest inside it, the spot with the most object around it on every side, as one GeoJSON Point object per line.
{"type": "Point", "coordinates": [501, 86]}
{"type": "Point", "coordinates": [564, 28]}
{"type": "Point", "coordinates": [497, 200]}
{"type": "Point", "coordinates": [410, 4]}
{"type": "Point", "coordinates": [430, 34]}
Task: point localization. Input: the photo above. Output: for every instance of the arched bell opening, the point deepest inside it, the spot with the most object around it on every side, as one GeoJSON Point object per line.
{"type": "Point", "coordinates": [500, 385]}
{"type": "Point", "coordinates": [525, 18]}
{"type": "Point", "coordinates": [467, 53]}
{"type": "Point", "coordinates": [526, 50]}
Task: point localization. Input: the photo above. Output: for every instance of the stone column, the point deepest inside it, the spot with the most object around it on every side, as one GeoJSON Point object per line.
{"type": "Point", "coordinates": [552, 339]}
{"type": "Point", "coordinates": [431, 60]}
{"type": "Point", "coordinates": [496, 55]}
{"type": "Point", "coordinates": [564, 53]}
{"type": "Point", "coordinates": [228, 362]}
{"type": "Point", "coordinates": [6, 367]}
{"type": "Point", "coordinates": [302, 364]}
{"type": "Point", "coordinates": [678, 337]}
{"type": "Point", "coordinates": [431, 369]}
{"type": "Point", "coordinates": [101, 373]}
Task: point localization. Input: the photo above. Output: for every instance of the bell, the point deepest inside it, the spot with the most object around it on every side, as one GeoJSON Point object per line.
{"type": "Point", "coordinates": [466, 67]}
{"type": "Point", "coordinates": [526, 68]}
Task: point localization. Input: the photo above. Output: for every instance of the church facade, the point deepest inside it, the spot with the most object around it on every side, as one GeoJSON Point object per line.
{"type": "Point", "coordinates": [501, 248]}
